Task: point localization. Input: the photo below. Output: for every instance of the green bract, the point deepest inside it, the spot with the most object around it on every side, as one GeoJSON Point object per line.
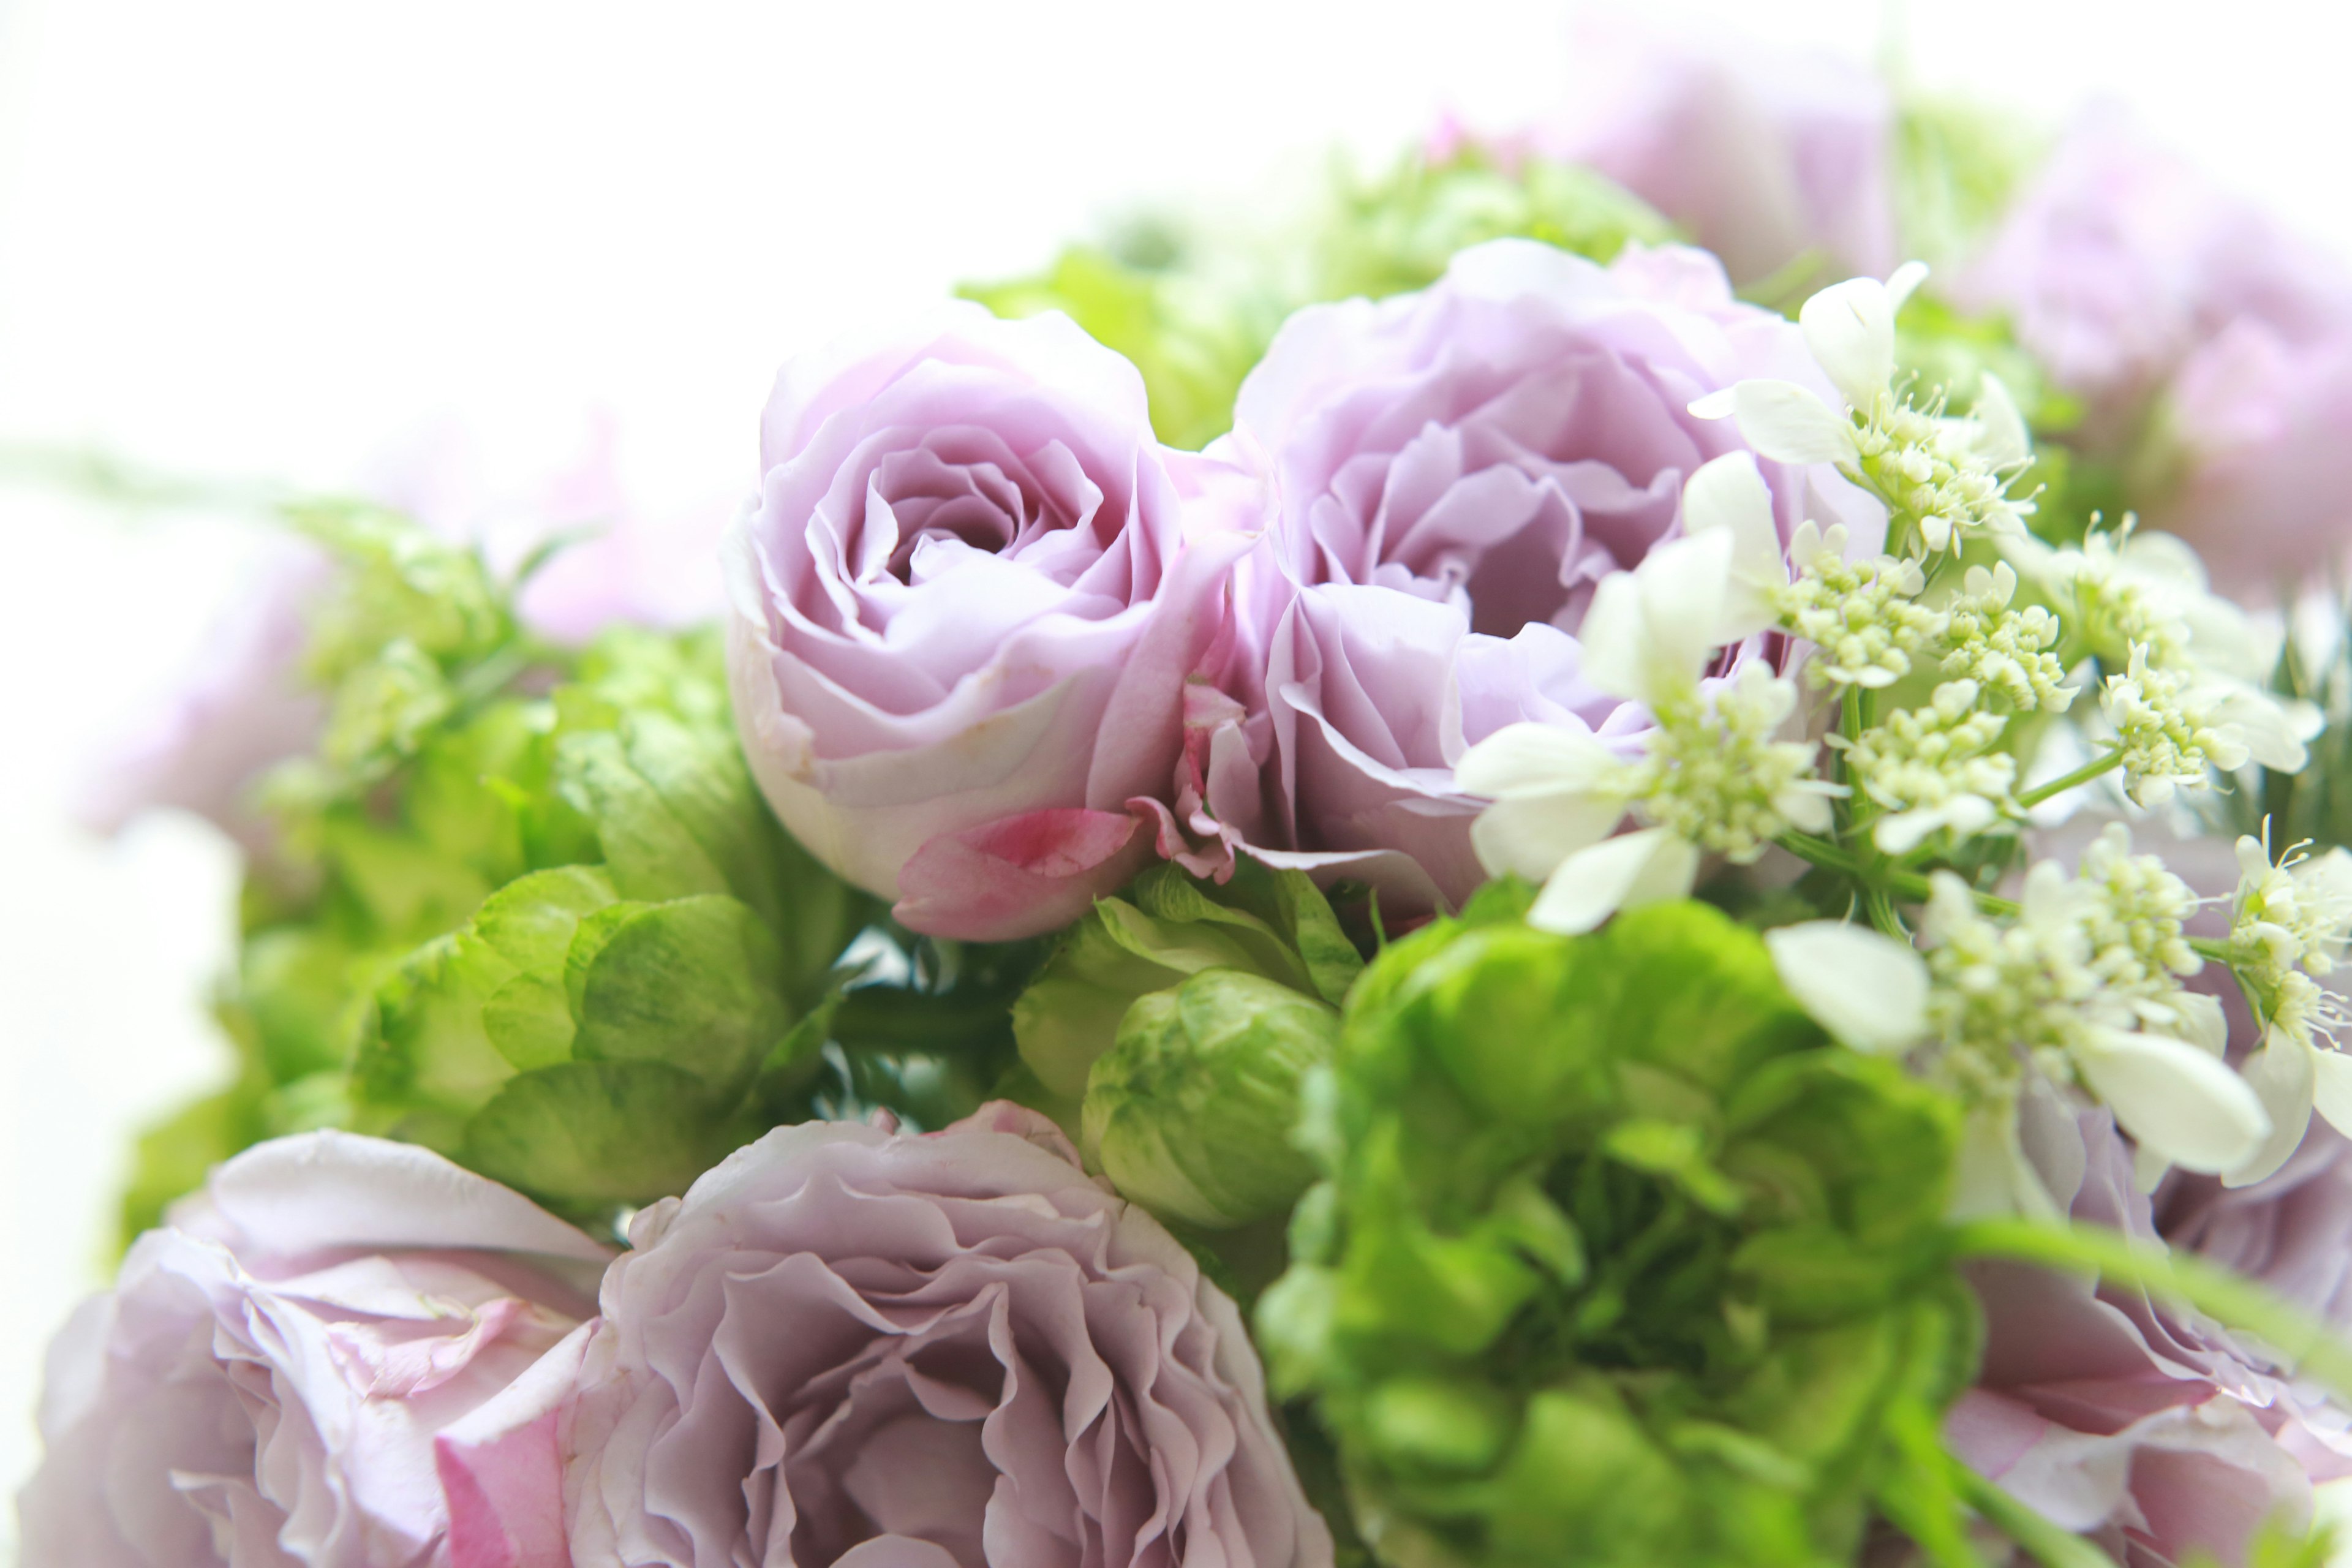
{"type": "Point", "coordinates": [1272, 924]}
{"type": "Point", "coordinates": [1190, 1113]}
{"type": "Point", "coordinates": [1618, 1260]}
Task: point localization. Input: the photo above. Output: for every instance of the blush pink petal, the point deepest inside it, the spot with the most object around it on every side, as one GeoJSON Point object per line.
{"type": "Point", "coordinates": [271, 1379]}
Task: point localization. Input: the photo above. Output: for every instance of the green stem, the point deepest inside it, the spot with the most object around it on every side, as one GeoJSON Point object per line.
{"type": "Point", "coordinates": [2065, 782]}
{"type": "Point", "coordinates": [1909, 886]}
{"type": "Point", "coordinates": [2053, 1546]}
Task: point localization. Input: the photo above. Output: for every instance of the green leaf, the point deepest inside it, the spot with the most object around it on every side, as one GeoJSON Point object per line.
{"type": "Point", "coordinates": [596, 1132]}
{"type": "Point", "coordinates": [424, 1049]}
{"type": "Point", "coordinates": [690, 983]}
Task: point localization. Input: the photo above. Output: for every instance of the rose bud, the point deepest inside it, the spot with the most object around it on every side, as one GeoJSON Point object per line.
{"type": "Point", "coordinates": [964, 608]}
{"type": "Point", "coordinates": [1190, 1113]}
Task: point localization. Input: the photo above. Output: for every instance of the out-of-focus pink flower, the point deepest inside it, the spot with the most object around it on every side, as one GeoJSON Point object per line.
{"type": "Point", "coordinates": [2142, 1422]}
{"type": "Point", "coordinates": [1764, 154]}
{"type": "Point", "coordinates": [1449, 473]}
{"type": "Point", "coordinates": [204, 745]}
{"type": "Point", "coordinates": [852, 1346]}
{"type": "Point", "coordinates": [627, 562]}
{"type": "Point", "coordinates": [295, 1370]}
{"type": "Point", "coordinates": [242, 708]}
{"type": "Point", "coordinates": [2212, 347]}
{"type": "Point", "coordinates": [964, 611]}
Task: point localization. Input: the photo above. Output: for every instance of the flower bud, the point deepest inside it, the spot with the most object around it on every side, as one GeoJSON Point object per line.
{"type": "Point", "coordinates": [1191, 1113]}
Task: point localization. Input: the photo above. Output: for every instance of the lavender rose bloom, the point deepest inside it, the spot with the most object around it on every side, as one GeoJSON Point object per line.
{"type": "Point", "coordinates": [1764, 155]}
{"type": "Point", "coordinates": [965, 606]}
{"type": "Point", "coordinates": [1451, 472]}
{"type": "Point", "coordinates": [2138, 1421]}
{"type": "Point", "coordinates": [851, 1346]}
{"type": "Point", "coordinates": [292, 1373]}
{"type": "Point", "coordinates": [2211, 347]}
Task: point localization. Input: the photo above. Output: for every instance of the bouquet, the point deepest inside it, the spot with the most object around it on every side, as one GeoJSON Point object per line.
{"type": "Point", "coordinates": [1568, 863]}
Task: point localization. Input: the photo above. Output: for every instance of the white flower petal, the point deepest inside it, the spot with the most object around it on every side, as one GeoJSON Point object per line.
{"type": "Point", "coordinates": [1531, 835]}
{"type": "Point", "coordinates": [1788, 424]}
{"type": "Point", "coordinates": [2199, 1020]}
{"type": "Point", "coordinates": [2331, 1089]}
{"type": "Point", "coordinates": [1631, 869]}
{"type": "Point", "coordinates": [1864, 987]}
{"type": "Point", "coordinates": [1728, 493]}
{"type": "Point", "coordinates": [1904, 281]}
{"type": "Point", "coordinates": [1526, 758]}
{"type": "Point", "coordinates": [2001, 439]}
{"type": "Point", "coordinates": [2148, 1168]}
{"type": "Point", "coordinates": [2281, 1076]}
{"type": "Point", "coordinates": [1647, 632]}
{"type": "Point", "coordinates": [1990, 1172]}
{"type": "Point", "coordinates": [1850, 328]}
{"type": "Point", "coordinates": [1720, 404]}
{"type": "Point", "coordinates": [2176, 1099]}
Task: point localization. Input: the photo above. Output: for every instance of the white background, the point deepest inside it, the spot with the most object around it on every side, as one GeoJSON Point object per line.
{"type": "Point", "coordinates": [276, 240]}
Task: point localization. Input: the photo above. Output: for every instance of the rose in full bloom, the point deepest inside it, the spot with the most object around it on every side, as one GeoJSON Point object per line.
{"type": "Point", "coordinates": [2137, 1420]}
{"type": "Point", "coordinates": [964, 609]}
{"type": "Point", "coordinates": [1450, 473]}
{"type": "Point", "coordinates": [1766, 156]}
{"type": "Point", "coordinates": [849, 1345]}
{"type": "Point", "coordinates": [347, 1354]}
{"type": "Point", "coordinates": [2210, 347]}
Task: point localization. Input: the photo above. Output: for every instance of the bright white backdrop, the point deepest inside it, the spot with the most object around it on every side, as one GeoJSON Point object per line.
{"type": "Point", "coordinates": [278, 237]}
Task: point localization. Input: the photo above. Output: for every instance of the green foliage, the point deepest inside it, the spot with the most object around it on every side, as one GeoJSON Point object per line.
{"type": "Point", "coordinates": [1397, 233]}
{"type": "Point", "coordinates": [1274, 924]}
{"type": "Point", "coordinates": [1616, 1259]}
{"type": "Point", "coordinates": [1957, 164]}
{"type": "Point", "coordinates": [1190, 1113]}
{"type": "Point", "coordinates": [1195, 317]}
{"type": "Point", "coordinates": [510, 877]}
{"type": "Point", "coordinates": [1192, 340]}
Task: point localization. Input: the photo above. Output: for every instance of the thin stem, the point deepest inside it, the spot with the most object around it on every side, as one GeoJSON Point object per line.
{"type": "Point", "coordinates": [2052, 1546]}
{"type": "Point", "coordinates": [2065, 782]}
{"type": "Point", "coordinates": [1909, 886]}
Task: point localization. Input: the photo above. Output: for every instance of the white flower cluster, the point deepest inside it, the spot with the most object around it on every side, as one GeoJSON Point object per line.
{"type": "Point", "coordinates": [1932, 650]}
{"type": "Point", "coordinates": [2288, 929]}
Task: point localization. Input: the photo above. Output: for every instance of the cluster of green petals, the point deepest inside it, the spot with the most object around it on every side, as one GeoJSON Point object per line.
{"type": "Point", "coordinates": [1617, 1260]}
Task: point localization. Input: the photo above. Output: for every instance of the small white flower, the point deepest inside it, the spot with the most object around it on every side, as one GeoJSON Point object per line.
{"type": "Point", "coordinates": [1943, 478]}
{"type": "Point", "coordinates": [1866, 988]}
{"type": "Point", "coordinates": [1713, 778]}
{"type": "Point", "coordinates": [2003, 648]}
{"type": "Point", "coordinates": [2073, 987]}
{"type": "Point", "coordinates": [2289, 926]}
{"type": "Point", "coordinates": [1933, 767]}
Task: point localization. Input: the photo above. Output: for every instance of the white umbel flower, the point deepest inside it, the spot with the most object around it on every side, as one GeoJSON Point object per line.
{"type": "Point", "coordinates": [1713, 775]}
{"type": "Point", "coordinates": [2289, 926]}
{"type": "Point", "coordinates": [1943, 479]}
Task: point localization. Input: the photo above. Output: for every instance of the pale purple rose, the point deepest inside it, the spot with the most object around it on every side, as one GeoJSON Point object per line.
{"type": "Point", "coordinates": [1765, 155]}
{"type": "Point", "coordinates": [2212, 347]}
{"type": "Point", "coordinates": [291, 1371]}
{"type": "Point", "coordinates": [1451, 472]}
{"type": "Point", "coordinates": [965, 607]}
{"type": "Point", "coordinates": [2141, 1421]}
{"type": "Point", "coordinates": [852, 1346]}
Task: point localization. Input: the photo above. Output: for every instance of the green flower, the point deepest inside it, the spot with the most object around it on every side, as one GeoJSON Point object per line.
{"type": "Point", "coordinates": [1272, 924]}
{"type": "Point", "coordinates": [1619, 1260]}
{"type": "Point", "coordinates": [1190, 1113]}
